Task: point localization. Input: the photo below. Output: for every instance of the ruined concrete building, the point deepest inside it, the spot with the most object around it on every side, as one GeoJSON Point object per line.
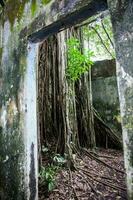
{"type": "Point", "coordinates": [24, 24]}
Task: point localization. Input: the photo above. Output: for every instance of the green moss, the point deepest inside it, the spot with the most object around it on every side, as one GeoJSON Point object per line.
{"type": "Point", "coordinates": [22, 67]}
{"type": "Point", "coordinates": [33, 7]}
{"type": "Point", "coordinates": [13, 75]}
{"type": "Point", "coordinates": [11, 144]}
{"type": "Point", "coordinates": [11, 162]}
{"type": "Point", "coordinates": [45, 1]}
{"type": "Point", "coordinates": [1, 51]}
{"type": "Point", "coordinates": [14, 10]}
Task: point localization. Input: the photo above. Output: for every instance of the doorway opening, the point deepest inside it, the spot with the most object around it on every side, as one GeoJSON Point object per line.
{"type": "Point", "coordinates": [80, 145]}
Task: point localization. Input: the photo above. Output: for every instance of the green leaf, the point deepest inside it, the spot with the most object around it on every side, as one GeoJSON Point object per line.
{"type": "Point", "coordinates": [51, 186]}
{"type": "Point", "coordinates": [78, 63]}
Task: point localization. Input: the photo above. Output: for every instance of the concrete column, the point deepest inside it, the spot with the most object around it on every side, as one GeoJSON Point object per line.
{"type": "Point", "coordinates": [30, 124]}
{"type": "Point", "coordinates": [122, 21]}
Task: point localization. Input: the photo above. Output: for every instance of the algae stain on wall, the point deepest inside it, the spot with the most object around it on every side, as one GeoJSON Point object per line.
{"type": "Point", "coordinates": [11, 131]}
{"type": "Point", "coordinates": [45, 1]}
{"type": "Point", "coordinates": [14, 9]}
{"type": "Point", "coordinates": [11, 156]}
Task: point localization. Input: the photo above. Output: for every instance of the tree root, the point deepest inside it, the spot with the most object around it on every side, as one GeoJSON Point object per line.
{"type": "Point", "coordinates": [102, 182]}
{"type": "Point", "coordinates": [88, 183]}
{"type": "Point", "coordinates": [101, 125]}
{"type": "Point", "coordinates": [93, 175]}
{"type": "Point", "coordinates": [76, 197]}
{"type": "Point", "coordinates": [102, 156]}
{"type": "Point", "coordinates": [99, 160]}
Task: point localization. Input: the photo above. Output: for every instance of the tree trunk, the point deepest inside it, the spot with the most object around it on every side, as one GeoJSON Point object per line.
{"type": "Point", "coordinates": [66, 113]}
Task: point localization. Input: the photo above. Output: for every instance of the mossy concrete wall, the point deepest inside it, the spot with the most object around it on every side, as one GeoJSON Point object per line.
{"type": "Point", "coordinates": [105, 93]}
{"type": "Point", "coordinates": [122, 21]}
{"type": "Point", "coordinates": [23, 21]}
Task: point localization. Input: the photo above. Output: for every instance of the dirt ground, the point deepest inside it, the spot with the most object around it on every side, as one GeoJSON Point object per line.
{"type": "Point", "coordinates": [98, 176]}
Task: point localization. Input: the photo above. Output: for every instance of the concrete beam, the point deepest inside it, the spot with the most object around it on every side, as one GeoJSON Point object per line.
{"type": "Point", "coordinates": [68, 13]}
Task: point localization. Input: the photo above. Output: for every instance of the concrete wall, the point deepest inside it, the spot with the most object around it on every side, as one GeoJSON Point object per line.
{"type": "Point", "coordinates": [23, 22]}
{"type": "Point", "coordinates": [122, 21]}
{"type": "Point", "coordinates": [105, 93]}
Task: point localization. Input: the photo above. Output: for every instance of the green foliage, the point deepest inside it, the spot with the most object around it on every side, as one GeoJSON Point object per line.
{"type": "Point", "coordinates": [47, 176]}
{"type": "Point", "coordinates": [94, 40]}
{"type": "Point", "coordinates": [33, 7]}
{"type": "Point", "coordinates": [78, 62]}
{"type": "Point", "coordinates": [48, 173]}
{"type": "Point", "coordinates": [45, 1]}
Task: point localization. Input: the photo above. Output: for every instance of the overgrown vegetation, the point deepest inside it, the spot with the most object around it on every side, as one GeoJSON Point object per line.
{"type": "Point", "coordinates": [100, 36]}
{"type": "Point", "coordinates": [68, 120]}
{"type": "Point", "coordinates": [47, 176]}
{"type": "Point", "coordinates": [48, 173]}
{"type": "Point", "coordinates": [79, 61]}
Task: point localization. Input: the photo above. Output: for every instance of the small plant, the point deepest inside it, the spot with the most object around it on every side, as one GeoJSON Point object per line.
{"type": "Point", "coordinates": [47, 176]}
{"type": "Point", "coordinates": [59, 160]}
{"type": "Point", "coordinates": [44, 149]}
{"type": "Point", "coordinates": [78, 63]}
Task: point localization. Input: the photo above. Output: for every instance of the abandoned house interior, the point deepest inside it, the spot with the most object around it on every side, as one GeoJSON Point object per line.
{"type": "Point", "coordinates": [66, 99]}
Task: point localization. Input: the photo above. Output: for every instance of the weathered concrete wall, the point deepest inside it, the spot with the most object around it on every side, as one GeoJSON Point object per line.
{"type": "Point", "coordinates": [20, 22]}
{"type": "Point", "coordinates": [105, 93]}
{"type": "Point", "coordinates": [33, 20]}
{"type": "Point", "coordinates": [122, 21]}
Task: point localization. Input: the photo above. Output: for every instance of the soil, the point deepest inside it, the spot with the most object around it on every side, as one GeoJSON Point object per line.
{"type": "Point", "coordinates": [92, 179]}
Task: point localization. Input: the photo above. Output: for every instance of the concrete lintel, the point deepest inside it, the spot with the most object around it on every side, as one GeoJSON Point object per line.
{"type": "Point", "coordinates": [40, 29]}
